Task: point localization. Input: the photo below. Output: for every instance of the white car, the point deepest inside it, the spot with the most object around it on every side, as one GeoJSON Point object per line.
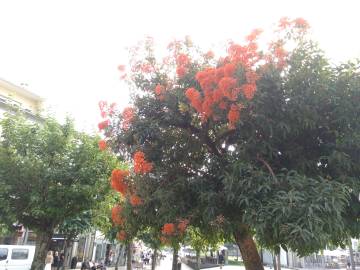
{"type": "Point", "coordinates": [16, 257]}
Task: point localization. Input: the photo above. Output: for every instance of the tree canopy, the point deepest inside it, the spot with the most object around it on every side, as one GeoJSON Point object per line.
{"type": "Point", "coordinates": [49, 173]}
{"type": "Point", "coordinates": [262, 142]}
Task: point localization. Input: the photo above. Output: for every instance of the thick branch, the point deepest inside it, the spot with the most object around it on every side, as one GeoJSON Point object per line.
{"type": "Point", "coordinates": [267, 166]}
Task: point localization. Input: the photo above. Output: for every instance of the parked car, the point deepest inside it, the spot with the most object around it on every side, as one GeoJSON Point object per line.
{"type": "Point", "coordinates": [16, 257]}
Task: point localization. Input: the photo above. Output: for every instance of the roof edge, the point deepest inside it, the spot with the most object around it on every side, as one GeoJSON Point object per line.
{"type": "Point", "coordinates": [20, 90]}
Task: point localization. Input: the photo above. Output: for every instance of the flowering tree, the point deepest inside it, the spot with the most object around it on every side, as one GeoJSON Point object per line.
{"type": "Point", "coordinates": [154, 206]}
{"type": "Point", "coordinates": [259, 138]}
{"type": "Point", "coordinates": [125, 213]}
{"type": "Point", "coordinates": [173, 234]}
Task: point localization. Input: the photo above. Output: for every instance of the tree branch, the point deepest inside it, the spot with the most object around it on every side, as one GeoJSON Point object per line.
{"type": "Point", "coordinates": [267, 166]}
{"type": "Point", "coordinates": [202, 136]}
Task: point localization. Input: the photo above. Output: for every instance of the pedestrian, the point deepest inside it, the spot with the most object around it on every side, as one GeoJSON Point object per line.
{"type": "Point", "coordinates": [61, 261]}
{"type": "Point", "coordinates": [49, 260]}
{"type": "Point", "coordinates": [73, 262]}
{"type": "Point", "coordinates": [221, 260]}
{"type": "Point", "coordinates": [56, 261]}
{"type": "Point", "coordinates": [348, 266]}
{"type": "Point", "coordinates": [111, 257]}
{"type": "Point", "coordinates": [85, 265]}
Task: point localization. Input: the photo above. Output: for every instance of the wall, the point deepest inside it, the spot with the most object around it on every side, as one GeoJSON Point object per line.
{"type": "Point", "coordinates": [13, 96]}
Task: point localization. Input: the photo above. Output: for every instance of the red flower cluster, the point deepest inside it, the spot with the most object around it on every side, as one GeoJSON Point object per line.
{"type": "Point", "coordinates": [102, 145]}
{"type": "Point", "coordinates": [121, 68]}
{"type": "Point", "coordinates": [146, 68]}
{"type": "Point", "coordinates": [159, 91]}
{"type": "Point", "coordinates": [182, 62]}
{"type": "Point", "coordinates": [104, 124]}
{"type": "Point", "coordinates": [298, 23]}
{"type": "Point", "coordinates": [181, 71]}
{"type": "Point", "coordinates": [105, 109]}
{"type": "Point", "coordinates": [284, 23]}
{"type": "Point", "coordinates": [279, 55]}
{"type": "Point", "coordinates": [254, 35]}
{"type": "Point", "coordinates": [209, 55]}
{"type": "Point", "coordinates": [195, 98]}
{"type": "Point", "coordinates": [123, 75]}
{"type": "Point", "coordinates": [220, 88]}
{"type": "Point", "coordinates": [121, 235]}
{"type": "Point", "coordinates": [128, 116]}
{"type": "Point", "coordinates": [301, 23]}
{"type": "Point", "coordinates": [233, 115]}
{"type": "Point", "coordinates": [135, 200]}
{"type": "Point", "coordinates": [168, 229]}
{"type": "Point", "coordinates": [116, 215]}
{"type": "Point", "coordinates": [140, 164]}
{"type": "Point", "coordinates": [117, 180]}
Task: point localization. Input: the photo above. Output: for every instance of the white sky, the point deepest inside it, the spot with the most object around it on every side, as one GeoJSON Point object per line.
{"type": "Point", "coordinates": [68, 51]}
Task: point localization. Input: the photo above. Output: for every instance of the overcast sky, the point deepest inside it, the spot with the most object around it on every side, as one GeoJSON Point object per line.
{"type": "Point", "coordinates": [67, 51]}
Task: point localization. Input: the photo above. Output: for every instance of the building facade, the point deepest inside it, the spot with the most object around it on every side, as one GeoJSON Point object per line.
{"type": "Point", "coordinates": [13, 96]}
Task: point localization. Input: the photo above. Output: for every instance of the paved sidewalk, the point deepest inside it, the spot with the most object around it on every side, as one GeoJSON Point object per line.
{"type": "Point", "coordinates": [167, 263]}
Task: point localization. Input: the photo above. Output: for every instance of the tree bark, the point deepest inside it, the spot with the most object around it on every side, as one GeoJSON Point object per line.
{"type": "Point", "coordinates": [43, 241]}
{"type": "Point", "coordinates": [67, 254]}
{"type": "Point", "coordinates": [118, 257]}
{"type": "Point", "coordinates": [248, 249]}
{"type": "Point", "coordinates": [278, 262]}
{"type": "Point", "coordinates": [274, 261]}
{"type": "Point", "coordinates": [175, 259]}
{"type": "Point", "coordinates": [197, 259]}
{"type": "Point", "coordinates": [128, 256]}
{"type": "Point", "coordinates": [153, 262]}
{"type": "Point", "coordinates": [352, 261]}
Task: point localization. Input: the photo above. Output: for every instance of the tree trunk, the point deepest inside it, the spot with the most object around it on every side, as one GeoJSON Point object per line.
{"type": "Point", "coordinates": [274, 261]}
{"type": "Point", "coordinates": [351, 254]}
{"type": "Point", "coordinates": [197, 260]}
{"type": "Point", "coordinates": [278, 262]}
{"type": "Point", "coordinates": [128, 256]}
{"type": "Point", "coordinates": [67, 254]}
{"type": "Point", "coordinates": [118, 257]}
{"type": "Point", "coordinates": [123, 256]}
{"type": "Point", "coordinates": [43, 241]}
{"type": "Point", "coordinates": [248, 249]}
{"type": "Point", "coordinates": [153, 262]}
{"type": "Point", "coordinates": [175, 259]}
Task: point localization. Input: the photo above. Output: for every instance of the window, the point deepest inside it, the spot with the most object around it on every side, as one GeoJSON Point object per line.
{"type": "Point", "coordinates": [3, 253]}
{"type": "Point", "coordinates": [19, 254]}
{"type": "Point", "coordinates": [3, 99]}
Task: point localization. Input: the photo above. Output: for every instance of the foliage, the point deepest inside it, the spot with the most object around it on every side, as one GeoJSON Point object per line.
{"type": "Point", "coordinates": [51, 173]}
{"type": "Point", "coordinates": [72, 227]}
{"type": "Point", "coordinates": [101, 216]}
{"type": "Point", "coordinates": [201, 241]}
{"type": "Point", "coordinates": [256, 142]}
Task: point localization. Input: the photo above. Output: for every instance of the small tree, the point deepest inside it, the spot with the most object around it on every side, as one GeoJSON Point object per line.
{"type": "Point", "coordinates": [50, 173]}
{"type": "Point", "coordinates": [199, 242]}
